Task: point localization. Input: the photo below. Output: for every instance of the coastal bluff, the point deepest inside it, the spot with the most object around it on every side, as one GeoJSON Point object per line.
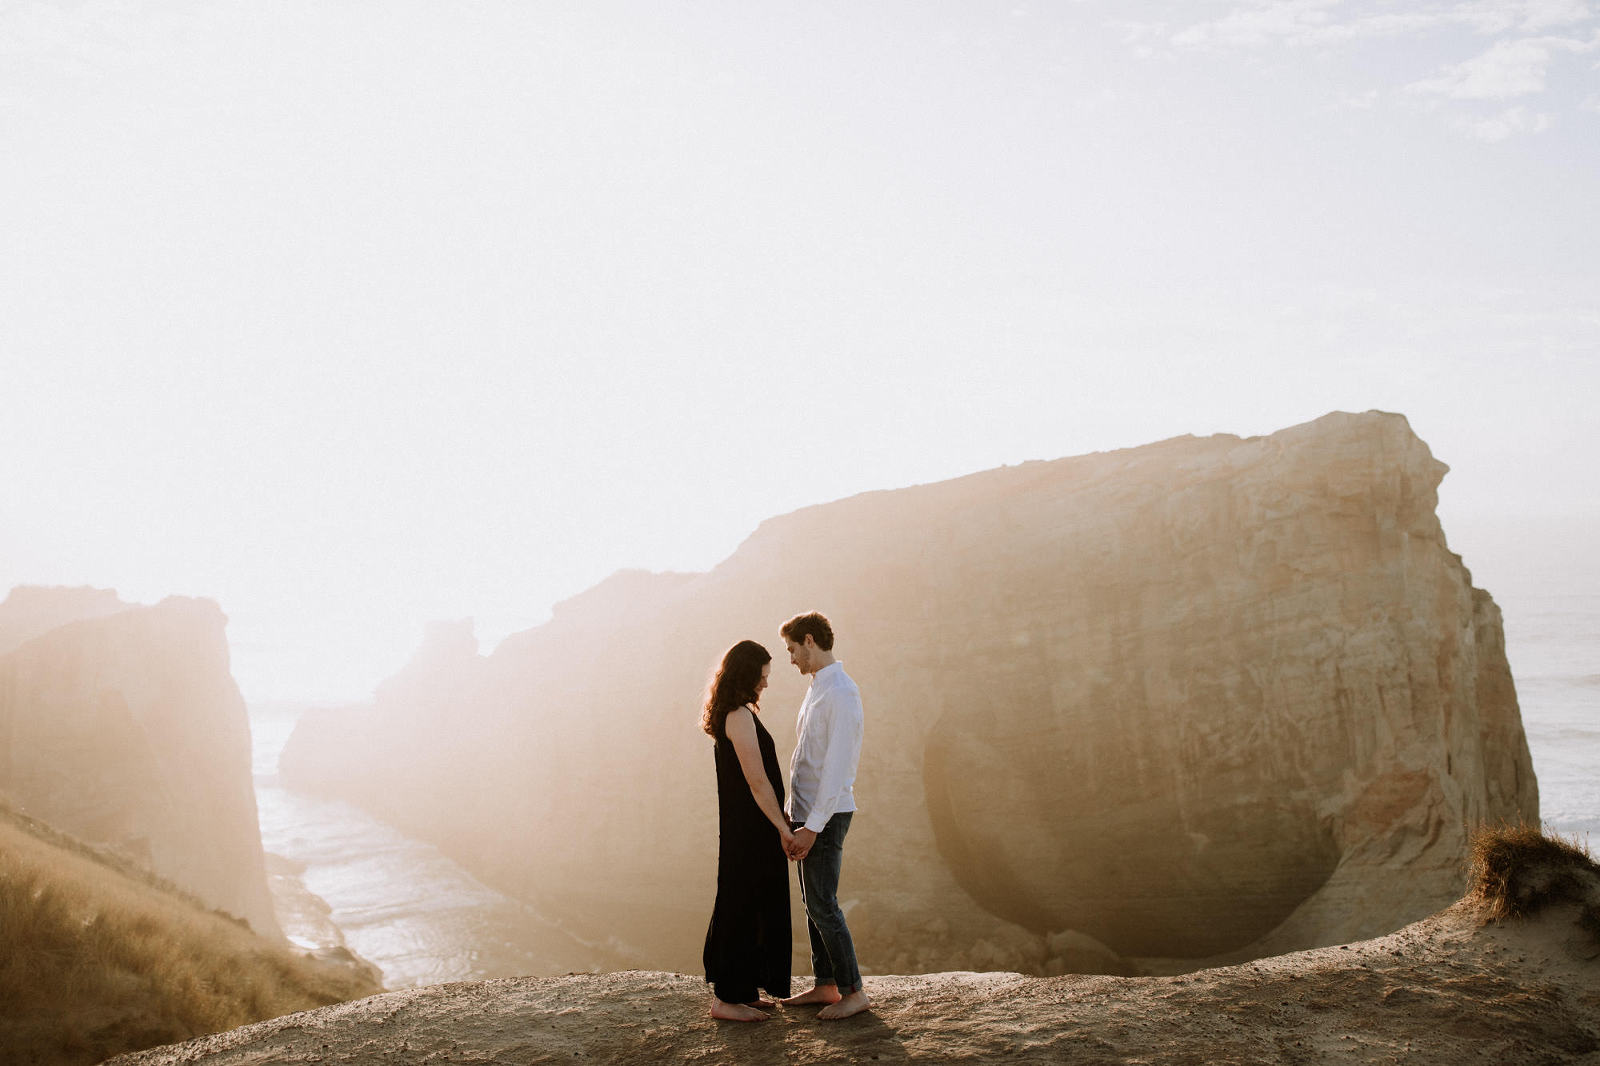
{"type": "Point", "coordinates": [1440, 992]}
{"type": "Point", "coordinates": [1147, 710]}
{"type": "Point", "coordinates": [121, 725]}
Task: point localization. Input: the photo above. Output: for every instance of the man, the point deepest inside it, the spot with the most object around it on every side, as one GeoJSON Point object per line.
{"type": "Point", "coordinates": [821, 803]}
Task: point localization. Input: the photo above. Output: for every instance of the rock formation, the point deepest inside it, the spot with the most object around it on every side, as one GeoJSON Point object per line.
{"type": "Point", "coordinates": [1202, 698]}
{"type": "Point", "coordinates": [30, 611]}
{"type": "Point", "coordinates": [126, 729]}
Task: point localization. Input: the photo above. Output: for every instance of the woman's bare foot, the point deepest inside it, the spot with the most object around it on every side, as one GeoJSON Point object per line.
{"type": "Point", "coordinates": [821, 994]}
{"type": "Point", "coordinates": [736, 1012]}
{"type": "Point", "coordinates": [849, 1006]}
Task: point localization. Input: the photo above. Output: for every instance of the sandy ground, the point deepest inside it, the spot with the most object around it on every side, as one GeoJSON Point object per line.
{"type": "Point", "coordinates": [1444, 991]}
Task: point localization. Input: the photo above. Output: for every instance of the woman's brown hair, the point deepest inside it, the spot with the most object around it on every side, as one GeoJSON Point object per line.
{"type": "Point", "coordinates": [734, 684]}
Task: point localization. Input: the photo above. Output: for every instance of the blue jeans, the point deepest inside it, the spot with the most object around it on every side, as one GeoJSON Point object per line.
{"type": "Point", "coordinates": [833, 953]}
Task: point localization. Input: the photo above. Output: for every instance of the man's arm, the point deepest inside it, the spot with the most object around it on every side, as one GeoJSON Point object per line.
{"type": "Point", "coordinates": [840, 722]}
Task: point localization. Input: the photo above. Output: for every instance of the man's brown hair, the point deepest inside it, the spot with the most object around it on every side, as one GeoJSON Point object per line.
{"type": "Point", "coordinates": [810, 624]}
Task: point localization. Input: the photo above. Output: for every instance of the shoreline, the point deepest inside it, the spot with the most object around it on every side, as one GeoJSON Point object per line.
{"type": "Point", "coordinates": [305, 917]}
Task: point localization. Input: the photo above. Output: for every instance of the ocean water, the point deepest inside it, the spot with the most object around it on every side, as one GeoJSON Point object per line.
{"type": "Point", "coordinates": [422, 919]}
{"type": "Point", "coordinates": [348, 879]}
{"type": "Point", "coordinates": [1553, 643]}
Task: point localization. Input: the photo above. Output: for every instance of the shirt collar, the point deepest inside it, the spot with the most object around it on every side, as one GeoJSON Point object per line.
{"type": "Point", "coordinates": [827, 672]}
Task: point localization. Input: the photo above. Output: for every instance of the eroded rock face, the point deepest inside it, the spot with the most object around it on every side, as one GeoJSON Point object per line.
{"type": "Point", "coordinates": [1203, 697]}
{"type": "Point", "coordinates": [127, 729]}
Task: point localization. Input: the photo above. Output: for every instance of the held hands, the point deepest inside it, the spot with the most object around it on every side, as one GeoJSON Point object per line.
{"type": "Point", "coordinates": [798, 844]}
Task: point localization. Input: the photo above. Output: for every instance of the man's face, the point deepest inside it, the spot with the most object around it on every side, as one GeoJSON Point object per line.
{"type": "Point", "coordinates": [800, 654]}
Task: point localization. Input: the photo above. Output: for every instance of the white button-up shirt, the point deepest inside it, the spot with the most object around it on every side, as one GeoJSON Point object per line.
{"type": "Point", "coordinates": [822, 773]}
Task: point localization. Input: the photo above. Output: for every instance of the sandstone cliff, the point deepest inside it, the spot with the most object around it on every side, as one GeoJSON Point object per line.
{"type": "Point", "coordinates": [126, 729]}
{"type": "Point", "coordinates": [1205, 697]}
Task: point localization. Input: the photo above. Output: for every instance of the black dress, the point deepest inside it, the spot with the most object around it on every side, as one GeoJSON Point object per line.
{"type": "Point", "coordinates": [747, 944]}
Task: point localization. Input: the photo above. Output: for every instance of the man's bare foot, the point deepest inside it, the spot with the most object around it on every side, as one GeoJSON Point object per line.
{"type": "Point", "coordinates": [736, 1012]}
{"type": "Point", "coordinates": [762, 1004]}
{"type": "Point", "coordinates": [821, 994]}
{"type": "Point", "coordinates": [848, 1007]}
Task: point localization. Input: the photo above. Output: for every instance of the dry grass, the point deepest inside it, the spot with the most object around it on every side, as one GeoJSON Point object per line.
{"type": "Point", "coordinates": [1518, 870]}
{"type": "Point", "coordinates": [98, 958]}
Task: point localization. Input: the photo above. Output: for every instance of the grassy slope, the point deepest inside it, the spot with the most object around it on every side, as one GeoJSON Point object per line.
{"type": "Point", "coordinates": [99, 958]}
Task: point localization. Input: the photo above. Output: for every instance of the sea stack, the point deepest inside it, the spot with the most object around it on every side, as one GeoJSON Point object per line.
{"type": "Point", "coordinates": [124, 728]}
{"type": "Point", "coordinates": [1207, 698]}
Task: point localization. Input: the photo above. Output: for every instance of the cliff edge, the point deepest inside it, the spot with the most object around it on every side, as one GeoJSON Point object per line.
{"type": "Point", "coordinates": [1447, 990]}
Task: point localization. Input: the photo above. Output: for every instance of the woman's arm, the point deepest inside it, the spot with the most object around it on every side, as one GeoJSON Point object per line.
{"type": "Point", "coordinates": [741, 729]}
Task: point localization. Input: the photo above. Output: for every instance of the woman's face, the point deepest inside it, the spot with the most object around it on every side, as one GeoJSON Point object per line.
{"type": "Point", "coordinates": [761, 682]}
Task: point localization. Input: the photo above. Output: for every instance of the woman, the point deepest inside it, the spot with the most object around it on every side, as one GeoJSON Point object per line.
{"type": "Point", "coordinates": [747, 944]}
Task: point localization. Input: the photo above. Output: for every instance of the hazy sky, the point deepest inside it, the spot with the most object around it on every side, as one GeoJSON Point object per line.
{"type": "Point", "coordinates": [355, 315]}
